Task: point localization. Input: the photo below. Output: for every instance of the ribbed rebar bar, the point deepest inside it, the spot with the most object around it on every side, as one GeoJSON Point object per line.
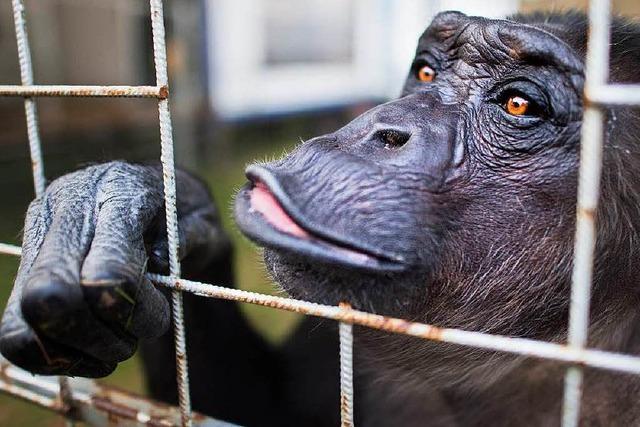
{"type": "Point", "coordinates": [26, 77]}
{"type": "Point", "coordinates": [169, 177]}
{"type": "Point", "coordinates": [346, 371]}
{"type": "Point", "coordinates": [85, 91]}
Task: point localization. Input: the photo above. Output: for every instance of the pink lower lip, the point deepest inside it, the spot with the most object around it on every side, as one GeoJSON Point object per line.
{"type": "Point", "coordinates": [265, 203]}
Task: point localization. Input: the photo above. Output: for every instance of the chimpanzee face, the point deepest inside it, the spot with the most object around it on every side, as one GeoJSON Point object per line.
{"type": "Point", "coordinates": [452, 204]}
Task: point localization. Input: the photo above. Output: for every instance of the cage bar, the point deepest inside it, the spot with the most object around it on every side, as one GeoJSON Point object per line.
{"type": "Point", "coordinates": [169, 181]}
{"type": "Point", "coordinates": [93, 403]}
{"type": "Point", "coordinates": [613, 94]}
{"type": "Point", "coordinates": [33, 132]}
{"type": "Point", "coordinates": [345, 331]}
{"type": "Point", "coordinates": [520, 346]}
{"type": "Point", "coordinates": [160, 92]}
{"type": "Point", "coordinates": [26, 77]}
{"type": "Point", "coordinates": [8, 249]}
{"type": "Point", "coordinates": [596, 75]}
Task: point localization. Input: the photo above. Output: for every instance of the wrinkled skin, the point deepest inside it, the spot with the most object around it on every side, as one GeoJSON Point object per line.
{"type": "Point", "coordinates": [442, 206]}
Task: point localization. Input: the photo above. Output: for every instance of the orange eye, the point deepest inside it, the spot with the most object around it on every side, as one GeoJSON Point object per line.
{"type": "Point", "coordinates": [426, 74]}
{"type": "Point", "coordinates": [517, 105]}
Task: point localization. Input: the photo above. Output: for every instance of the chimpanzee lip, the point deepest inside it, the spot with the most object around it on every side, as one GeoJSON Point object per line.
{"type": "Point", "coordinates": [308, 242]}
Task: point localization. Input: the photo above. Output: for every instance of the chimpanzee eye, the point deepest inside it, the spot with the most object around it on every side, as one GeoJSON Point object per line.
{"type": "Point", "coordinates": [517, 105]}
{"type": "Point", "coordinates": [425, 73]}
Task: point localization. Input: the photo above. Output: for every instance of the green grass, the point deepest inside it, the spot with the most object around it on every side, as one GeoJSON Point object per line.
{"type": "Point", "coordinates": [250, 272]}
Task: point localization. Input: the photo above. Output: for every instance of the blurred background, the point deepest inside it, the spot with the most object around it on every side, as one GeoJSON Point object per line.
{"type": "Point", "coordinates": [249, 79]}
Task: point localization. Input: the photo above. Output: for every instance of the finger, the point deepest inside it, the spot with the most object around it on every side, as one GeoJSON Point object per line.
{"type": "Point", "coordinates": [20, 344]}
{"type": "Point", "coordinates": [200, 231]}
{"type": "Point", "coordinates": [112, 275]}
{"type": "Point", "coordinates": [52, 302]}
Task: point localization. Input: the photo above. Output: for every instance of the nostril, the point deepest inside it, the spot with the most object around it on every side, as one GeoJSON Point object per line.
{"type": "Point", "coordinates": [392, 138]}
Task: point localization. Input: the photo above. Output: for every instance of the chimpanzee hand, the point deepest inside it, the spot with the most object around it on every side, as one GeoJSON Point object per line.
{"type": "Point", "coordinates": [80, 300]}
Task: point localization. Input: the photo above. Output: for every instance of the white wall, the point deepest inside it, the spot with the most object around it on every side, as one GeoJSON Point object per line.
{"type": "Point", "coordinates": [385, 33]}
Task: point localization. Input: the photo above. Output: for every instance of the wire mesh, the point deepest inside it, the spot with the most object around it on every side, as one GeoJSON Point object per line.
{"type": "Point", "coordinates": [598, 94]}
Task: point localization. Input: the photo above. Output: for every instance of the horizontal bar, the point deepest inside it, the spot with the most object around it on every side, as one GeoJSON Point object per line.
{"type": "Point", "coordinates": [613, 94]}
{"type": "Point", "coordinates": [93, 403]}
{"type": "Point", "coordinates": [521, 346]}
{"type": "Point", "coordinates": [160, 92]}
{"type": "Point", "coordinates": [10, 249]}
{"type": "Point", "coordinates": [42, 394]}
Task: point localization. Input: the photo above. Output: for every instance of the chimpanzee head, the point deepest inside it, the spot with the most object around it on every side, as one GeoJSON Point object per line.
{"type": "Point", "coordinates": [454, 204]}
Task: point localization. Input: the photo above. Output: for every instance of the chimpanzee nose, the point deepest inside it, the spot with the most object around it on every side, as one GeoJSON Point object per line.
{"type": "Point", "coordinates": [416, 132]}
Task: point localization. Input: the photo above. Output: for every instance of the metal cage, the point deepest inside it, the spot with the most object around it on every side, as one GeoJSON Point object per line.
{"type": "Point", "coordinates": [89, 402]}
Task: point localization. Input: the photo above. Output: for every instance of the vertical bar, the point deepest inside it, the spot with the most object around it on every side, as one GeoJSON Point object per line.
{"type": "Point", "coordinates": [169, 180]}
{"type": "Point", "coordinates": [33, 132]}
{"type": "Point", "coordinates": [26, 76]}
{"type": "Point", "coordinates": [346, 372]}
{"type": "Point", "coordinates": [596, 74]}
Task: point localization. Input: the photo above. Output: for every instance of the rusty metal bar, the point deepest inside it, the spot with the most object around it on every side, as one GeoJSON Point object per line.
{"type": "Point", "coordinates": [93, 403]}
{"type": "Point", "coordinates": [42, 393]}
{"type": "Point", "coordinates": [160, 92]}
{"type": "Point", "coordinates": [596, 75]}
{"type": "Point", "coordinates": [346, 371]}
{"type": "Point", "coordinates": [26, 77]}
{"type": "Point", "coordinates": [518, 346]}
{"type": "Point", "coordinates": [169, 180]}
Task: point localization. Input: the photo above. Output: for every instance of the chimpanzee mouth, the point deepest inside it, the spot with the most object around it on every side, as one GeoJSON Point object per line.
{"type": "Point", "coordinates": [264, 218]}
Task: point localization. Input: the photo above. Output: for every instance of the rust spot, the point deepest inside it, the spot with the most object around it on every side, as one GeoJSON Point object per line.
{"type": "Point", "coordinates": [587, 213]}
{"type": "Point", "coordinates": [586, 100]}
{"type": "Point", "coordinates": [434, 333]}
{"type": "Point", "coordinates": [395, 325]}
{"type": "Point", "coordinates": [344, 408]}
{"type": "Point", "coordinates": [3, 373]}
{"type": "Point", "coordinates": [163, 92]}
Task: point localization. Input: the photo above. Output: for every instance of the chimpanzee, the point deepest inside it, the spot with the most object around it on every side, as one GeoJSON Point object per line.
{"type": "Point", "coordinates": [452, 205]}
